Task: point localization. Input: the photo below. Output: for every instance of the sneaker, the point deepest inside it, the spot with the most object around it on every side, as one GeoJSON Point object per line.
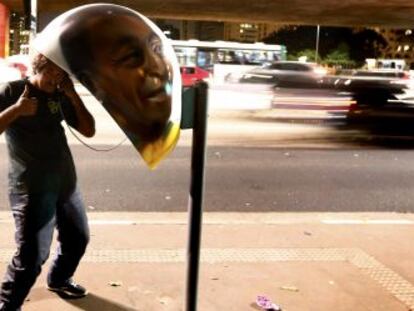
{"type": "Point", "coordinates": [69, 290]}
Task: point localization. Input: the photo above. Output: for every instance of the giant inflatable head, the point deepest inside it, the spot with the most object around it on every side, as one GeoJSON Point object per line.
{"type": "Point", "coordinates": [127, 63]}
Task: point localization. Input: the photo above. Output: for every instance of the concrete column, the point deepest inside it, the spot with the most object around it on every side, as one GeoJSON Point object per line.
{"type": "Point", "coordinates": [33, 18]}
{"type": "Point", "coordinates": [33, 23]}
{"type": "Point", "coordinates": [4, 30]}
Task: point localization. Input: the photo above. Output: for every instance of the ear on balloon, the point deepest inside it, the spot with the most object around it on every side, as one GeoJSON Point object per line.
{"type": "Point", "coordinates": [128, 64]}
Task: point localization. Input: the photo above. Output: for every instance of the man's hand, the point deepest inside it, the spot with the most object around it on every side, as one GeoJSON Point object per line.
{"type": "Point", "coordinates": [26, 106]}
{"type": "Point", "coordinates": [66, 86]}
{"type": "Point", "coordinates": [86, 123]}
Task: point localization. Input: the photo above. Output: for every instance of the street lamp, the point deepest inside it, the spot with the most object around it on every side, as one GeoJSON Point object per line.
{"type": "Point", "coordinates": [318, 29]}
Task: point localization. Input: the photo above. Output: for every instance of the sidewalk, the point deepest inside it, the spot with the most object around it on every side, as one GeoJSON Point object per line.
{"type": "Point", "coordinates": [302, 261]}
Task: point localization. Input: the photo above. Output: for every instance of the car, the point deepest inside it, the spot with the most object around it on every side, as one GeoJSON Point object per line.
{"type": "Point", "coordinates": [377, 108]}
{"type": "Point", "coordinates": [362, 83]}
{"type": "Point", "coordinates": [382, 73]}
{"type": "Point", "coordinates": [20, 62]}
{"type": "Point", "coordinates": [372, 77]}
{"type": "Point", "coordinates": [286, 74]}
{"type": "Point", "coordinates": [7, 72]}
{"type": "Point", "coordinates": [191, 74]}
{"type": "Point", "coordinates": [391, 117]}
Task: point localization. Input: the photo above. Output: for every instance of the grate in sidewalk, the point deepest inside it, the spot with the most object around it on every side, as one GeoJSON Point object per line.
{"type": "Point", "coordinates": [387, 278]}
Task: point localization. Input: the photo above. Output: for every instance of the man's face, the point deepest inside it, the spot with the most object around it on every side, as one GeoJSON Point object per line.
{"type": "Point", "coordinates": [50, 77]}
{"type": "Point", "coordinates": [131, 78]}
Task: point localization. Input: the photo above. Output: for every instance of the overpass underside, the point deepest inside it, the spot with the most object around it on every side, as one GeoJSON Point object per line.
{"type": "Point", "coordinates": [384, 13]}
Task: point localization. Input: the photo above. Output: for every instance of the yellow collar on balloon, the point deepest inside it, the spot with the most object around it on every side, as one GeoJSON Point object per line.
{"type": "Point", "coordinates": [153, 153]}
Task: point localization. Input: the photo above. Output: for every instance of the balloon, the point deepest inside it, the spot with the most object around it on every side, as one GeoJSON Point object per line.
{"type": "Point", "coordinates": [127, 63]}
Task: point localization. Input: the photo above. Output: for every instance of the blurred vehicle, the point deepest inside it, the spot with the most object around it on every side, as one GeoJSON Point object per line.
{"type": "Point", "coordinates": [391, 117]}
{"type": "Point", "coordinates": [7, 72]}
{"type": "Point", "coordinates": [286, 74]}
{"type": "Point", "coordinates": [382, 73]}
{"type": "Point", "coordinates": [20, 62]}
{"type": "Point", "coordinates": [394, 77]}
{"type": "Point", "coordinates": [384, 76]}
{"type": "Point", "coordinates": [376, 107]}
{"type": "Point", "coordinates": [368, 81]}
{"type": "Point", "coordinates": [191, 74]}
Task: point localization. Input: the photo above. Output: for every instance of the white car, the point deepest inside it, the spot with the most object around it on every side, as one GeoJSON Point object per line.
{"type": "Point", "coordinates": [21, 62]}
{"type": "Point", "coordinates": [8, 73]}
{"type": "Point", "coordinates": [286, 73]}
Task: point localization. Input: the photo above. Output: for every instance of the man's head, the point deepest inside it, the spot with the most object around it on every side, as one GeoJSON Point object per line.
{"type": "Point", "coordinates": [119, 57]}
{"type": "Point", "coordinates": [47, 75]}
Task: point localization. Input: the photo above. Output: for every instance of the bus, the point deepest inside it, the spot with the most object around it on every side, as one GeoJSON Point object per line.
{"type": "Point", "coordinates": [224, 57]}
{"type": "Point", "coordinates": [205, 54]}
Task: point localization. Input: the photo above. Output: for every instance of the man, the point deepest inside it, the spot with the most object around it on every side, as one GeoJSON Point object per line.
{"type": "Point", "coordinates": [43, 191]}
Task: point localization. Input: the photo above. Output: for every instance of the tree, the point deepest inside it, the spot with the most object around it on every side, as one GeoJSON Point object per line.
{"type": "Point", "coordinates": [365, 43]}
{"type": "Point", "coordinates": [295, 38]}
{"type": "Point", "coordinates": [362, 42]}
{"type": "Point", "coordinates": [308, 53]}
{"type": "Point", "coordinates": [339, 57]}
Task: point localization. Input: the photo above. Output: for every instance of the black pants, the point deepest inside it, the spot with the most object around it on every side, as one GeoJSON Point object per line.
{"type": "Point", "coordinates": [36, 215]}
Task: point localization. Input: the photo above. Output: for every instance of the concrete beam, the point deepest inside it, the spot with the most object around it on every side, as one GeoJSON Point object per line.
{"type": "Point", "coordinates": [385, 13]}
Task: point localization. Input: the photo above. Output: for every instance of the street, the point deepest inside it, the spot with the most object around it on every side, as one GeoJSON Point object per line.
{"type": "Point", "coordinates": [254, 179]}
{"type": "Point", "coordinates": [252, 166]}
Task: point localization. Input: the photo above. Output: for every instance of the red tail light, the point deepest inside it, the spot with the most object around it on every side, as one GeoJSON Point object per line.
{"type": "Point", "coordinates": [353, 106]}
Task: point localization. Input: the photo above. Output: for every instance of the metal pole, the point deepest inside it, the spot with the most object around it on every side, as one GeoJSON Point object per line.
{"type": "Point", "coordinates": [195, 202]}
{"type": "Point", "coordinates": [318, 29]}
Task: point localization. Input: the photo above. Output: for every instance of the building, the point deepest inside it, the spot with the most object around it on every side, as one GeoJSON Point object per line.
{"type": "Point", "coordinates": [19, 36]}
{"type": "Point", "coordinates": [187, 29]}
{"type": "Point", "coordinates": [245, 32]}
{"type": "Point", "coordinates": [14, 37]}
{"type": "Point", "coordinates": [4, 30]}
{"type": "Point", "coordinates": [213, 31]}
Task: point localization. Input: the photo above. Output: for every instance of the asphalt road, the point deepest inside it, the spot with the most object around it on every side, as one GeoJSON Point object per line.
{"type": "Point", "coordinates": [255, 162]}
{"type": "Point", "coordinates": [248, 179]}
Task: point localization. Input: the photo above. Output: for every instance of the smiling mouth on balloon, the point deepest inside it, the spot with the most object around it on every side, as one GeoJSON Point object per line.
{"type": "Point", "coordinates": [156, 96]}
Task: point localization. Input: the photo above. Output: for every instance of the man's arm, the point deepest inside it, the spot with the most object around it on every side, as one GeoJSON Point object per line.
{"type": "Point", "coordinates": [24, 106]}
{"type": "Point", "coordinates": [86, 123]}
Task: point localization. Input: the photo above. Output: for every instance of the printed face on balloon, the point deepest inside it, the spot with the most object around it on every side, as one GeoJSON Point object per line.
{"type": "Point", "coordinates": [120, 58]}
